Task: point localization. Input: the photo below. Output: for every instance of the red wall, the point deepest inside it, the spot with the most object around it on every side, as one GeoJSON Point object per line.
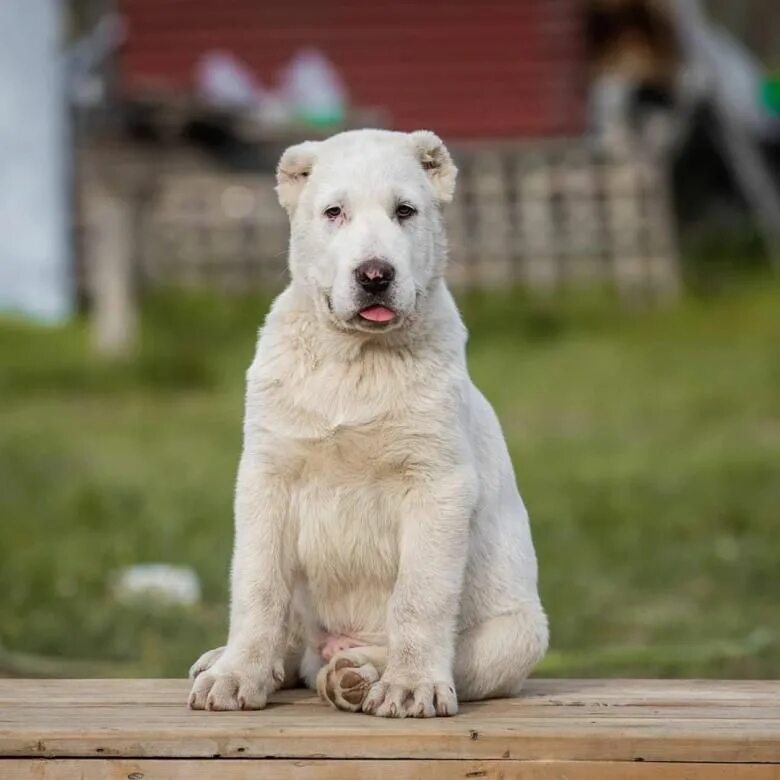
{"type": "Point", "coordinates": [466, 69]}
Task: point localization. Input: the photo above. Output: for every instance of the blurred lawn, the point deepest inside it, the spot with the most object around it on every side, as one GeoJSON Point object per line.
{"type": "Point", "coordinates": [647, 447]}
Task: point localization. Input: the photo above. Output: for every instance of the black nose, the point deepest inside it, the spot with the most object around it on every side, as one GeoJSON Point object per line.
{"type": "Point", "coordinates": [374, 276]}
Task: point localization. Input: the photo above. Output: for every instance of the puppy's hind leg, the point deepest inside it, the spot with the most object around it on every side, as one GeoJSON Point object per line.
{"type": "Point", "coordinates": [493, 659]}
{"type": "Point", "coordinates": [346, 679]}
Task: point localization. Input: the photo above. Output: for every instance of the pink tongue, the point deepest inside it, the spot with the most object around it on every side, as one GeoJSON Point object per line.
{"type": "Point", "coordinates": [378, 314]}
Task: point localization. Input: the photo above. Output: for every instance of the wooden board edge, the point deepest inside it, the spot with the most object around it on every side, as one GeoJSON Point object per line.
{"type": "Point", "coordinates": [377, 769]}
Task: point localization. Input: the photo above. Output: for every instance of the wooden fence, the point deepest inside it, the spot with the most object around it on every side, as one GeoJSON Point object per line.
{"type": "Point", "coordinates": [561, 215]}
{"type": "Point", "coordinates": [544, 216]}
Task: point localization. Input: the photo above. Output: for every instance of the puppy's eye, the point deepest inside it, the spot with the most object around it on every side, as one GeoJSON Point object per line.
{"type": "Point", "coordinates": [404, 211]}
{"type": "Point", "coordinates": [333, 212]}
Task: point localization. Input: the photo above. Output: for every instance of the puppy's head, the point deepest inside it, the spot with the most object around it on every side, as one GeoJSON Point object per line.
{"type": "Point", "coordinates": [366, 236]}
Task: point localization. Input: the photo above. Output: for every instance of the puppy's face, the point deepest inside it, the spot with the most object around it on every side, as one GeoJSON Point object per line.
{"type": "Point", "coordinates": [366, 236]}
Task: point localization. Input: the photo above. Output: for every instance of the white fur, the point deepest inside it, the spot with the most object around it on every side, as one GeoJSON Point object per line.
{"type": "Point", "coordinates": [375, 494]}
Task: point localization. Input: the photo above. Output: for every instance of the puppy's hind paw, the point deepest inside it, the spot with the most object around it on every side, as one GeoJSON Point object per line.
{"type": "Point", "coordinates": [346, 679]}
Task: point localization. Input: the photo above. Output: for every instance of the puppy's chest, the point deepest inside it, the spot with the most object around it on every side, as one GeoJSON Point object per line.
{"type": "Point", "coordinates": [350, 442]}
{"type": "Point", "coordinates": [348, 531]}
{"type": "Point", "coordinates": [347, 498]}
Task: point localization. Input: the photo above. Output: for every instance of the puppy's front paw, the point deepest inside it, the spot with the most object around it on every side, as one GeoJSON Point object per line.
{"type": "Point", "coordinates": [206, 661]}
{"type": "Point", "coordinates": [399, 697]}
{"type": "Point", "coordinates": [229, 686]}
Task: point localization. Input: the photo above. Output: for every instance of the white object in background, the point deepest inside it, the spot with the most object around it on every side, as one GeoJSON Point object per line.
{"type": "Point", "coordinates": [312, 86]}
{"type": "Point", "coordinates": [225, 81]}
{"type": "Point", "coordinates": [172, 584]}
{"type": "Point", "coordinates": [35, 274]}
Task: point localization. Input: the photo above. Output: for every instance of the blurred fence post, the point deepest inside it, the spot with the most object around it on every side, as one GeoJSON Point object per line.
{"type": "Point", "coordinates": [109, 269]}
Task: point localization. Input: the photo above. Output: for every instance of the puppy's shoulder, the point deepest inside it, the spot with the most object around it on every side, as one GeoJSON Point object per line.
{"type": "Point", "coordinates": [284, 343]}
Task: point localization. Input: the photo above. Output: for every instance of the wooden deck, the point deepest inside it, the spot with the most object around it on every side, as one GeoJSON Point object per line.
{"type": "Point", "coordinates": [562, 729]}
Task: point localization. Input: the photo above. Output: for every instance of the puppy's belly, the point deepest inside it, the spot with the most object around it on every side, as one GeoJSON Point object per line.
{"type": "Point", "coordinates": [348, 552]}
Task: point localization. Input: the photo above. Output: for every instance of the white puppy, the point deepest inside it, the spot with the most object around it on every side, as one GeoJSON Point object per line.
{"type": "Point", "coordinates": [382, 551]}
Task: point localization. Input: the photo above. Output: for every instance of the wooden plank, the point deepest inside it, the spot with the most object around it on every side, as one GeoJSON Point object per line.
{"type": "Point", "coordinates": [556, 719]}
{"type": "Point", "coordinates": [537, 692]}
{"type": "Point", "coordinates": [743, 699]}
{"type": "Point", "coordinates": [241, 769]}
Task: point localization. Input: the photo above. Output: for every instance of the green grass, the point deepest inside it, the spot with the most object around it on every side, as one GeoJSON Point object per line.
{"type": "Point", "coordinates": [646, 444]}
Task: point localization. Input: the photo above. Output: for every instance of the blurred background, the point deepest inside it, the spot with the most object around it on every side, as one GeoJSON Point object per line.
{"type": "Point", "coordinates": [615, 248]}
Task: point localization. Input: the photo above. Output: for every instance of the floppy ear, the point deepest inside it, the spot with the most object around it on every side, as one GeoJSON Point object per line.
{"type": "Point", "coordinates": [436, 160]}
{"type": "Point", "coordinates": [292, 172]}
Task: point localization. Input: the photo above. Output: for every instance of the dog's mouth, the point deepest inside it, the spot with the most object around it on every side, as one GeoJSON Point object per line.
{"type": "Point", "coordinates": [378, 314]}
{"type": "Point", "coordinates": [371, 318]}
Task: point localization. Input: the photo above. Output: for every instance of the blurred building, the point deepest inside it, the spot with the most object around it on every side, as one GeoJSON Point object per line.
{"type": "Point", "coordinates": [500, 68]}
{"type": "Point", "coordinates": [575, 124]}
{"type": "Point", "coordinates": [206, 96]}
